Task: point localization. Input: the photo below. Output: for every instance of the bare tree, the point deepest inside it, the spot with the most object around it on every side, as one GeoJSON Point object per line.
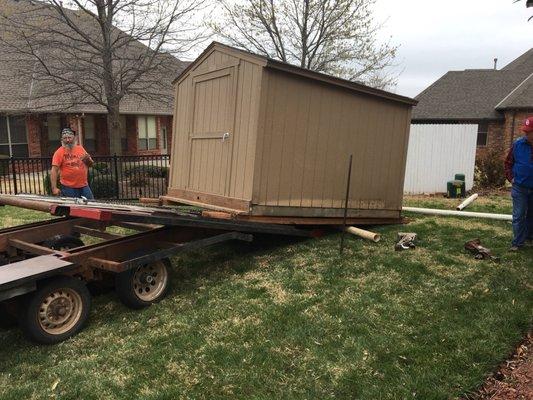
{"type": "Point", "coordinates": [337, 37]}
{"type": "Point", "coordinates": [97, 52]}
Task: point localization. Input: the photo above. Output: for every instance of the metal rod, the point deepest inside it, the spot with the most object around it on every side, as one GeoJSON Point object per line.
{"type": "Point", "coordinates": [346, 203]}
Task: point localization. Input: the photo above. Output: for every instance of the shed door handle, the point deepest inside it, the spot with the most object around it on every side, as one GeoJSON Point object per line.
{"type": "Point", "coordinates": [225, 136]}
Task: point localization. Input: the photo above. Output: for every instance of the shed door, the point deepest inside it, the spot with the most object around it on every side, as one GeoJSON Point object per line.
{"type": "Point", "coordinates": [211, 134]}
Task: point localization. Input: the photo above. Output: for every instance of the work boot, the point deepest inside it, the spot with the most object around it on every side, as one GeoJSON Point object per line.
{"type": "Point", "coordinates": [514, 248]}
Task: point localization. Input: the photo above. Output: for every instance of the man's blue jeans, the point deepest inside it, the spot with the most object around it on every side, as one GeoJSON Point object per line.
{"type": "Point", "coordinates": [77, 192]}
{"type": "Point", "coordinates": [522, 214]}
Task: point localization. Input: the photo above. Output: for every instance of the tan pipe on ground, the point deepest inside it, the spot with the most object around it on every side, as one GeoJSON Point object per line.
{"type": "Point", "coordinates": [465, 203]}
{"type": "Point", "coordinates": [450, 213]}
{"type": "Point", "coordinates": [375, 237]}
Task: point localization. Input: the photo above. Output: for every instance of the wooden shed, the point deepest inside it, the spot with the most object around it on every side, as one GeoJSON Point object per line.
{"type": "Point", "coordinates": [265, 140]}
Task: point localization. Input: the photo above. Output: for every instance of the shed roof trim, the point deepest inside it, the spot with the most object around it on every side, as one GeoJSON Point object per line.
{"type": "Point", "coordinates": [307, 73]}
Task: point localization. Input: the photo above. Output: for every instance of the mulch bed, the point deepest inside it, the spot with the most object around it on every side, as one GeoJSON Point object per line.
{"type": "Point", "coordinates": [514, 378]}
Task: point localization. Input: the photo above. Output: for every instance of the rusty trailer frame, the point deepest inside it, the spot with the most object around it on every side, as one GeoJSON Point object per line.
{"type": "Point", "coordinates": [29, 259]}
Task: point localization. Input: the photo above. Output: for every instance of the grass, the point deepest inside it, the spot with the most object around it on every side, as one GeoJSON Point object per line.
{"type": "Point", "coordinates": [292, 319]}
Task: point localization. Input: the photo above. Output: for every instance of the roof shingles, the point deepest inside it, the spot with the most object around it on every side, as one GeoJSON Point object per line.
{"type": "Point", "coordinates": [21, 92]}
{"type": "Point", "coordinates": [475, 94]}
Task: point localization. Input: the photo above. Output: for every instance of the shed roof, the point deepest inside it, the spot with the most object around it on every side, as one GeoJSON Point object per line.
{"type": "Point", "coordinates": [478, 93]}
{"type": "Point", "coordinates": [307, 73]}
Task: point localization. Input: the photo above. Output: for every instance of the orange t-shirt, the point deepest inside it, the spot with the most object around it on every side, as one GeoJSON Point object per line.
{"type": "Point", "coordinates": [72, 171]}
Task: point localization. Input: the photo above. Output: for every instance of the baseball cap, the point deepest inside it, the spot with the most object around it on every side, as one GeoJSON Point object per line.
{"type": "Point", "coordinates": [527, 126]}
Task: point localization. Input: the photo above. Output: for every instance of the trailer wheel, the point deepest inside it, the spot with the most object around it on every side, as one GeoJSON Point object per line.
{"type": "Point", "coordinates": [63, 242]}
{"type": "Point", "coordinates": [56, 311]}
{"type": "Point", "coordinates": [147, 284]}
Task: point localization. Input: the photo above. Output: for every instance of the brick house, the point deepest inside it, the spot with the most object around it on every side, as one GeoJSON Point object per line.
{"type": "Point", "coordinates": [24, 133]}
{"type": "Point", "coordinates": [30, 126]}
{"type": "Point", "coordinates": [497, 100]}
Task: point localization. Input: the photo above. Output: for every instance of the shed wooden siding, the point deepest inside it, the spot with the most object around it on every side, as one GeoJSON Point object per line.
{"type": "Point", "coordinates": [239, 112]}
{"type": "Point", "coordinates": [307, 132]}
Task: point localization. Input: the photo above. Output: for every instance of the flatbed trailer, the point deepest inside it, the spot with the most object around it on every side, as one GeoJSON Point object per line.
{"type": "Point", "coordinates": [44, 266]}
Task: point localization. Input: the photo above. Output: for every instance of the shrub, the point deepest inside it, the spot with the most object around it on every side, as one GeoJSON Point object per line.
{"type": "Point", "coordinates": [103, 186]}
{"type": "Point", "coordinates": [4, 164]}
{"type": "Point", "coordinates": [139, 180]}
{"type": "Point", "coordinates": [102, 167]}
{"type": "Point", "coordinates": [489, 170]}
{"type": "Point", "coordinates": [151, 171]}
{"type": "Point", "coordinates": [47, 184]}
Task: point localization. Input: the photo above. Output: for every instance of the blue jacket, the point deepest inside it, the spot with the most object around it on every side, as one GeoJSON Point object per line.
{"type": "Point", "coordinates": [523, 163]}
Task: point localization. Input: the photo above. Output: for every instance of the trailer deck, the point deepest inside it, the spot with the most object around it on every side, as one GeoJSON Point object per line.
{"type": "Point", "coordinates": [38, 257]}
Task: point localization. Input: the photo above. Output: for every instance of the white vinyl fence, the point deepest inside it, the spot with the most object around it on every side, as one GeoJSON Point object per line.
{"type": "Point", "coordinates": [436, 153]}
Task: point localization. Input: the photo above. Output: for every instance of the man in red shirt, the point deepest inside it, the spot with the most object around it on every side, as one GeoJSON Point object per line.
{"type": "Point", "coordinates": [71, 162]}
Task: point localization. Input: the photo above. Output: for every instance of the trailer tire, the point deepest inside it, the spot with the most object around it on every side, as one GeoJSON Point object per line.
{"type": "Point", "coordinates": [144, 285]}
{"type": "Point", "coordinates": [56, 311]}
{"type": "Point", "coordinates": [7, 319]}
{"type": "Point", "coordinates": [63, 242]}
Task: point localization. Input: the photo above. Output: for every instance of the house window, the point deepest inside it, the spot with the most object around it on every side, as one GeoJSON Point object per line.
{"type": "Point", "coordinates": [89, 137]}
{"type": "Point", "coordinates": [53, 122]}
{"type": "Point", "coordinates": [482, 133]}
{"type": "Point", "coordinates": [13, 137]}
{"type": "Point", "coordinates": [147, 133]}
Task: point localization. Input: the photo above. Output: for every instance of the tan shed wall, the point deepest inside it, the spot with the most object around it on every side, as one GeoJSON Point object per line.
{"type": "Point", "coordinates": [307, 132]}
{"type": "Point", "coordinates": [201, 172]}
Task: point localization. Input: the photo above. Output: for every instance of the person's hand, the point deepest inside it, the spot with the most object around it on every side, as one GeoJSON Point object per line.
{"type": "Point", "coordinates": [86, 159]}
{"type": "Point", "coordinates": [55, 191]}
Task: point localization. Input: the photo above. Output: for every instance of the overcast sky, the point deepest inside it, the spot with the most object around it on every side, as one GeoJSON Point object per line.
{"type": "Point", "coordinates": [440, 36]}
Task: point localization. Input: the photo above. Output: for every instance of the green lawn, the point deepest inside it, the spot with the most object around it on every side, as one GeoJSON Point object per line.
{"type": "Point", "coordinates": [292, 319]}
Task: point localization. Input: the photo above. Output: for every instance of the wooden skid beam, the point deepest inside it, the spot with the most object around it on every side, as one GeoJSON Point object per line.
{"type": "Point", "coordinates": [319, 221]}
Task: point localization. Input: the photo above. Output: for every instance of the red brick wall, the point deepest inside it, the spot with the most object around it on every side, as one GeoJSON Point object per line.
{"type": "Point", "coordinates": [514, 132]}
{"type": "Point", "coordinates": [131, 134]}
{"type": "Point", "coordinates": [501, 134]}
{"type": "Point", "coordinates": [35, 130]}
{"type": "Point", "coordinates": [101, 135]}
{"type": "Point", "coordinates": [167, 122]}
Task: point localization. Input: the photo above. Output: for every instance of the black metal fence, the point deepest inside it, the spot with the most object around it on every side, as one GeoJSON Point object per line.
{"type": "Point", "coordinates": [111, 177]}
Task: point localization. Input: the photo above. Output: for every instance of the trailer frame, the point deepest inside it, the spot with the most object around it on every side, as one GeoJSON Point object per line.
{"type": "Point", "coordinates": [30, 259]}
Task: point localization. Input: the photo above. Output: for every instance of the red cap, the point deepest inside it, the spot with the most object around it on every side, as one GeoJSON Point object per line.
{"type": "Point", "coordinates": [528, 125]}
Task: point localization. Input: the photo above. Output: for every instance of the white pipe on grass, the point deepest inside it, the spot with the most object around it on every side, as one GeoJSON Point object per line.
{"type": "Point", "coordinates": [375, 237]}
{"type": "Point", "coordinates": [465, 203]}
{"type": "Point", "coordinates": [430, 211]}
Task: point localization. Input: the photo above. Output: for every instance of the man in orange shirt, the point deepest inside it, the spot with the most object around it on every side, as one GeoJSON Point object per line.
{"type": "Point", "coordinates": [71, 162]}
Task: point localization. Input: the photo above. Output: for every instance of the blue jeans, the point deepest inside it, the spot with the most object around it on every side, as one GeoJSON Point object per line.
{"type": "Point", "coordinates": [522, 214]}
{"type": "Point", "coordinates": [77, 192]}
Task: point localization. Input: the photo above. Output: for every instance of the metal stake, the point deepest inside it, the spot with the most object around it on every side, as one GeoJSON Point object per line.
{"type": "Point", "coordinates": [346, 203]}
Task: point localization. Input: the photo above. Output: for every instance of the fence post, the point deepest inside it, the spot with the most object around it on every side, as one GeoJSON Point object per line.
{"type": "Point", "coordinates": [115, 161]}
{"type": "Point", "coordinates": [14, 173]}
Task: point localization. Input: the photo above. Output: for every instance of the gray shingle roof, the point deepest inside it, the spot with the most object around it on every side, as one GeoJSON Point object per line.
{"type": "Point", "coordinates": [520, 97]}
{"type": "Point", "coordinates": [20, 93]}
{"type": "Point", "coordinates": [475, 94]}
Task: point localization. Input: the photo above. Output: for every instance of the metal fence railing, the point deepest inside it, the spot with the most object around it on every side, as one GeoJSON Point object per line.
{"type": "Point", "coordinates": [111, 177]}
